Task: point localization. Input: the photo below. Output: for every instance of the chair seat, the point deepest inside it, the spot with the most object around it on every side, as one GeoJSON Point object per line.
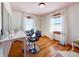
{"type": "Point", "coordinates": [32, 39]}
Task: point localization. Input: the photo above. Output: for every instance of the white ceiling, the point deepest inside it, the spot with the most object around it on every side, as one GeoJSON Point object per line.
{"type": "Point", "coordinates": [33, 8]}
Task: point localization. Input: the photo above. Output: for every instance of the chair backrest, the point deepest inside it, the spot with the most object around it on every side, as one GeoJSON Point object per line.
{"type": "Point", "coordinates": [38, 33]}
{"type": "Point", "coordinates": [30, 32]}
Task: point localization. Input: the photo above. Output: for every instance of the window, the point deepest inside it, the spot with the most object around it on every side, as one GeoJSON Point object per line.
{"type": "Point", "coordinates": [28, 24]}
{"type": "Point", "coordinates": [56, 24]}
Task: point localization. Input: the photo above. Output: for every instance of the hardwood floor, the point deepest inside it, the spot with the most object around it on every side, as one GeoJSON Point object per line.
{"type": "Point", "coordinates": [16, 49]}
{"type": "Point", "coordinates": [47, 48]}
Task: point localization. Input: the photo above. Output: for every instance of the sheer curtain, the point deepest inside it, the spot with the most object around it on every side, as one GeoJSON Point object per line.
{"type": "Point", "coordinates": [0, 19]}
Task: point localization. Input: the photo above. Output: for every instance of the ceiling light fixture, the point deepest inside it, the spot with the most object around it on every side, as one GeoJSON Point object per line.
{"type": "Point", "coordinates": [41, 5]}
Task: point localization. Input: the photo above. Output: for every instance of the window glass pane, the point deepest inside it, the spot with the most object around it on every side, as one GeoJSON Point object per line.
{"type": "Point", "coordinates": [28, 24]}
{"type": "Point", "coordinates": [56, 24]}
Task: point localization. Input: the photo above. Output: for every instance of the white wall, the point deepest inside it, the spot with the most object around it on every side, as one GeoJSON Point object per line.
{"type": "Point", "coordinates": [45, 26]}
{"type": "Point", "coordinates": [73, 17]}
